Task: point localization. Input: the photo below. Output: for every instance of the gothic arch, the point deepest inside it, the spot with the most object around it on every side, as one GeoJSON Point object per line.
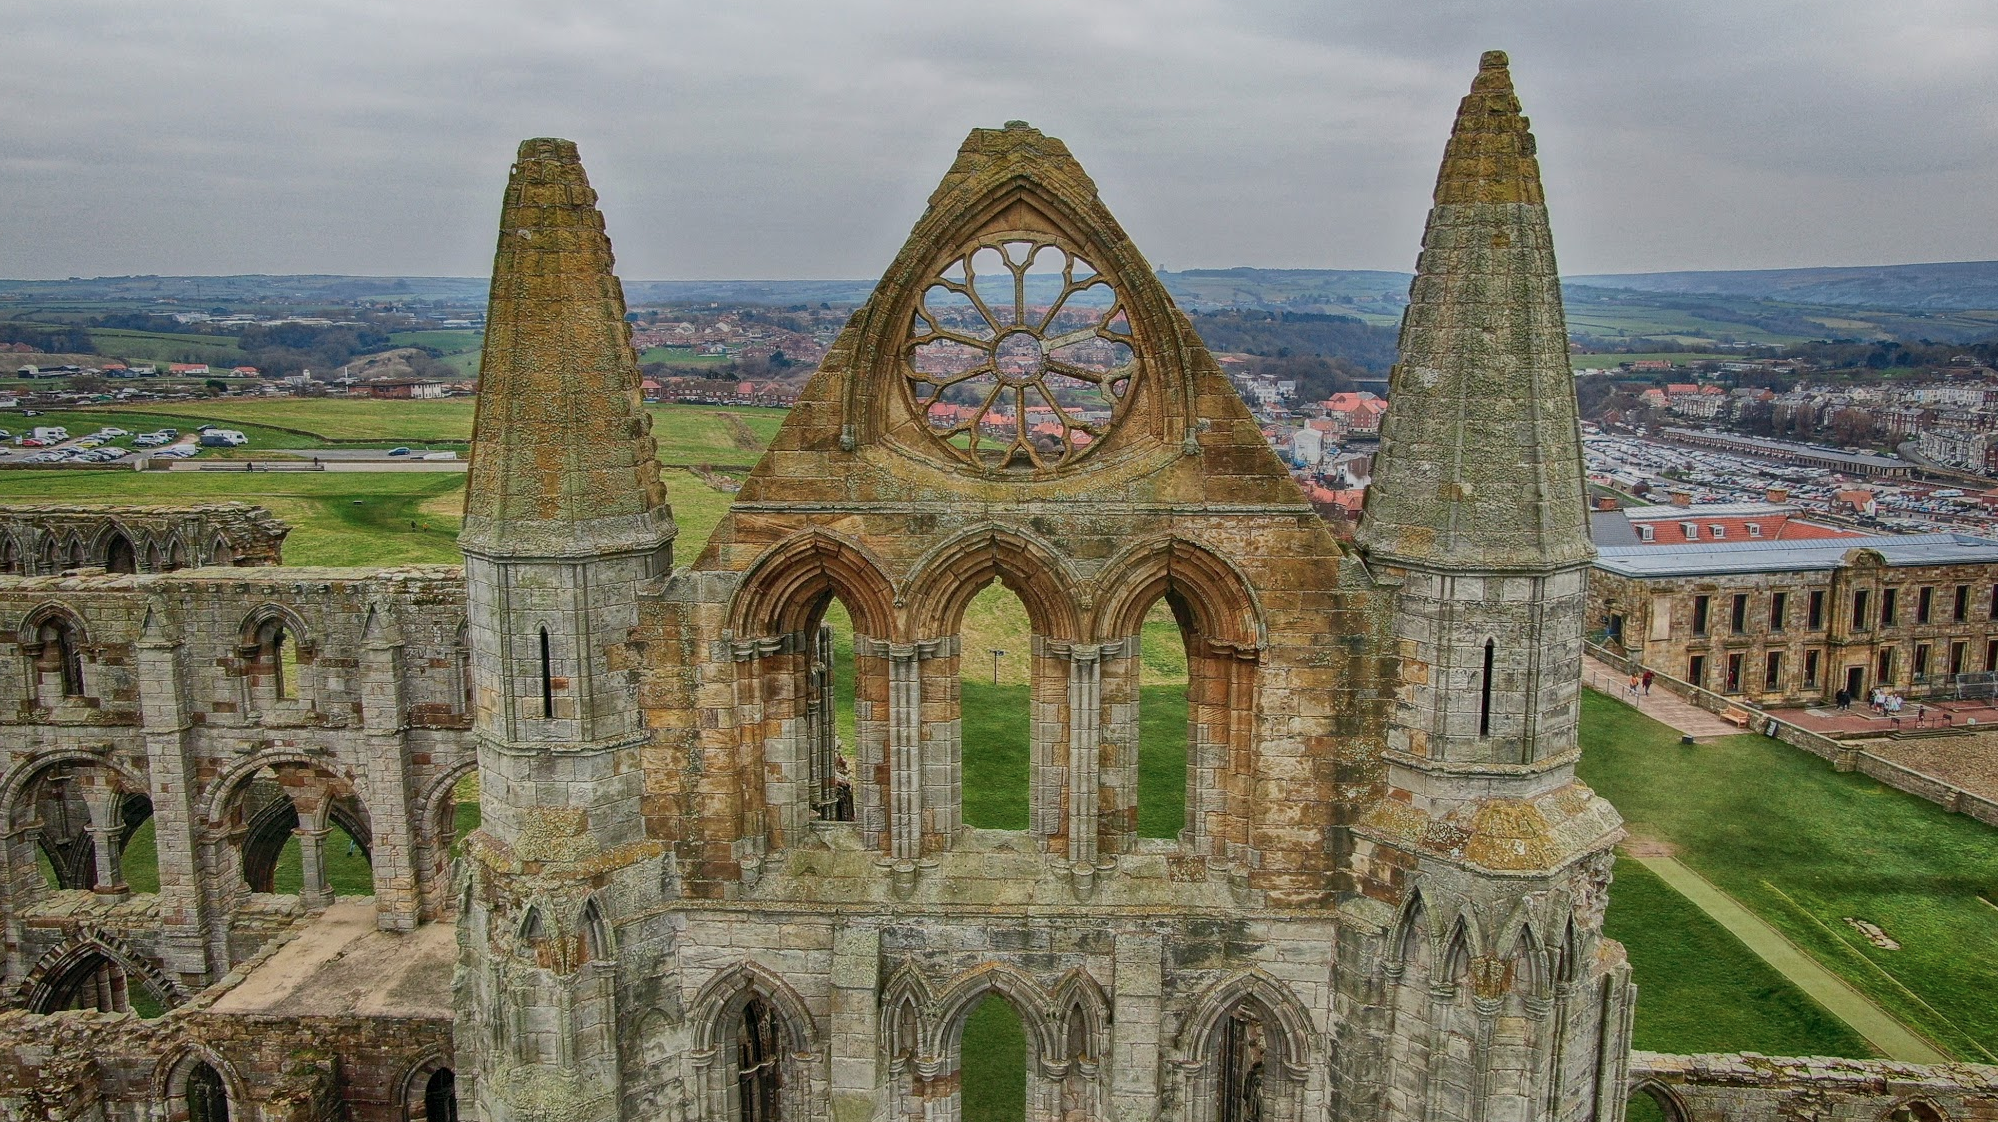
{"type": "Point", "coordinates": [1026, 997]}
{"type": "Point", "coordinates": [47, 611]}
{"type": "Point", "coordinates": [789, 582]}
{"type": "Point", "coordinates": [171, 1074]}
{"type": "Point", "coordinates": [1669, 1103]}
{"type": "Point", "coordinates": [27, 771]}
{"type": "Point", "coordinates": [1410, 934]}
{"type": "Point", "coordinates": [412, 1084]}
{"type": "Point", "coordinates": [945, 579]}
{"type": "Point", "coordinates": [1078, 997]}
{"type": "Point", "coordinates": [906, 1030]}
{"type": "Point", "coordinates": [104, 546]}
{"type": "Point", "coordinates": [724, 995]}
{"type": "Point", "coordinates": [212, 806]}
{"type": "Point", "coordinates": [46, 981]}
{"type": "Point", "coordinates": [439, 794]}
{"type": "Point", "coordinates": [1226, 611]}
{"type": "Point", "coordinates": [1015, 184]}
{"type": "Point", "coordinates": [1274, 1001]}
{"type": "Point", "coordinates": [282, 614]}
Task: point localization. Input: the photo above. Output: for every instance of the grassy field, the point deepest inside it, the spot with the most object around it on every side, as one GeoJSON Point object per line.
{"type": "Point", "coordinates": [686, 433]}
{"type": "Point", "coordinates": [1806, 847]}
{"type": "Point", "coordinates": [1700, 990]}
{"type": "Point", "coordinates": [995, 1064]}
{"type": "Point", "coordinates": [1609, 362]}
{"type": "Point", "coordinates": [680, 356]}
{"type": "Point", "coordinates": [165, 346]}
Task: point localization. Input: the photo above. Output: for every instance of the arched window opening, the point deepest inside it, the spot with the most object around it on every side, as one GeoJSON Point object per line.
{"type": "Point", "coordinates": [1917, 1110]}
{"type": "Point", "coordinates": [1165, 724]}
{"type": "Point", "coordinates": [461, 661]}
{"type": "Point", "coordinates": [596, 934]}
{"type": "Point", "coordinates": [278, 855]}
{"type": "Point", "coordinates": [759, 1071]}
{"type": "Point", "coordinates": [998, 667]}
{"type": "Point", "coordinates": [173, 559]}
{"type": "Point", "coordinates": [1651, 1103]}
{"type": "Point", "coordinates": [547, 678]}
{"type": "Point", "coordinates": [207, 1097]}
{"type": "Point", "coordinates": [119, 557]}
{"type": "Point", "coordinates": [992, 1062]}
{"type": "Point", "coordinates": [58, 660]}
{"type": "Point", "coordinates": [1244, 1054]}
{"type": "Point", "coordinates": [10, 557]}
{"type": "Point", "coordinates": [440, 1097]}
{"type": "Point", "coordinates": [1485, 691]}
{"type": "Point", "coordinates": [65, 804]}
{"type": "Point", "coordinates": [829, 716]}
{"type": "Point", "coordinates": [95, 981]}
{"type": "Point", "coordinates": [223, 553]}
{"type": "Point", "coordinates": [274, 662]}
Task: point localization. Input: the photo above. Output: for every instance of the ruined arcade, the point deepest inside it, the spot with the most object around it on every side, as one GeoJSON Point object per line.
{"type": "Point", "coordinates": [689, 898]}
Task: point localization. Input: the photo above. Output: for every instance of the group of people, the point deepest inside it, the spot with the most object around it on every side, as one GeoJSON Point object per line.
{"type": "Point", "coordinates": [1640, 682]}
{"type": "Point", "coordinates": [1882, 701]}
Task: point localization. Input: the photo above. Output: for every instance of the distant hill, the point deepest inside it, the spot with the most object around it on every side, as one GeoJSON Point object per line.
{"type": "Point", "coordinates": [1942, 286]}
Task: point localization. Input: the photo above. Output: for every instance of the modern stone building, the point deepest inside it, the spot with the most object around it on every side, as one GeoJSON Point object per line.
{"type": "Point", "coordinates": [1385, 900]}
{"type": "Point", "coordinates": [1784, 622]}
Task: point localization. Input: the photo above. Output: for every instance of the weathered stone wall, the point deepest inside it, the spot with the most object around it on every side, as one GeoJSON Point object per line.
{"type": "Point", "coordinates": [43, 540]}
{"type": "Point", "coordinates": [204, 699]}
{"type": "Point", "coordinates": [1741, 1087]}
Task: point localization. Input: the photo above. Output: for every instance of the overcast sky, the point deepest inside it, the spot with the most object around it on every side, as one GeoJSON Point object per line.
{"type": "Point", "coordinates": [800, 138]}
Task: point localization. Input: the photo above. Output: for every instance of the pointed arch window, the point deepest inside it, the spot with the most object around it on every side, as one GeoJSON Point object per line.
{"type": "Point", "coordinates": [1485, 690]}
{"type": "Point", "coordinates": [57, 656]}
{"type": "Point", "coordinates": [547, 678]}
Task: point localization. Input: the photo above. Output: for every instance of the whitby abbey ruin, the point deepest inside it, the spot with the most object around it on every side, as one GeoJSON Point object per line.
{"type": "Point", "coordinates": [690, 901]}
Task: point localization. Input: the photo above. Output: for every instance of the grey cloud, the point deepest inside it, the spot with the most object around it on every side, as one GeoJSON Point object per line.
{"type": "Point", "coordinates": [800, 139]}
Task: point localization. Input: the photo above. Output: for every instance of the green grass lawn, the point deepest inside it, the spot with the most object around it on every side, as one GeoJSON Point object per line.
{"type": "Point", "coordinates": [1700, 990]}
{"type": "Point", "coordinates": [1806, 847]}
{"type": "Point", "coordinates": [994, 1087]}
{"type": "Point", "coordinates": [161, 347]}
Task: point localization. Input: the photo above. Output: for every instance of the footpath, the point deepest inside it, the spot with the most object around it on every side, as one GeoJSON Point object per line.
{"type": "Point", "coordinates": [1892, 1038]}
{"type": "Point", "coordinates": [1659, 705]}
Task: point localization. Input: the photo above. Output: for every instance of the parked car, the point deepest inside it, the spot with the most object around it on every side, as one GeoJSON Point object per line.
{"type": "Point", "coordinates": [112, 432]}
{"type": "Point", "coordinates": [398, 451]}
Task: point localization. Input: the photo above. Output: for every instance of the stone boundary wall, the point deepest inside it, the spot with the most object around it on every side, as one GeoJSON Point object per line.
{"type": "Point", "coordinates": [1842, 756]}
{"type": "Point", "coordinates": [1736, 1087]}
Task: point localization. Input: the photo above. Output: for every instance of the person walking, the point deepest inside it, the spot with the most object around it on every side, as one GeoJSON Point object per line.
{"type": "Point", "coordinates": [1632, 687]}
{"type": "Point", "coordinates": [1843, 698]}
{"type": "Point", "coordinates": [1648, 675]}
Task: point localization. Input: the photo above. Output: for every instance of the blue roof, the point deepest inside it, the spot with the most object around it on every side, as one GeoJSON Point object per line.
{"type": "Point", "coordinates": [1804, 555]}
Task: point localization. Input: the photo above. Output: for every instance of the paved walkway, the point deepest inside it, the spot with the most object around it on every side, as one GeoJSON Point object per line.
{"type": "Point", "coordinates": [1660, 704]}
{"type": "Point", "coordinates": [1894, 1039]}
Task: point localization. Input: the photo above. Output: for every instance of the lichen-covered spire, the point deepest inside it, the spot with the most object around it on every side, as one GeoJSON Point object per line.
{"type": "Point", "coordinates": [1480, 462]}
{"type": "Point", "coordinates": [563, 460]}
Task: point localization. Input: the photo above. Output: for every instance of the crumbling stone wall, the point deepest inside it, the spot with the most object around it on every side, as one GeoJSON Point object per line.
{"type": "Point", "coordinates": [1743, 1086]}
{"type": "Point", "coordinates": [202, 699]}
{"type": "Point", "coordinates": [43, 540]}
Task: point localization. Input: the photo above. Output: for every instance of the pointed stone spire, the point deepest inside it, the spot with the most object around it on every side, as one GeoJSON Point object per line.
{"type": "Point", "coordinates": [563, 460]}
{"type": "Point", "coordinates": [1480, 462]}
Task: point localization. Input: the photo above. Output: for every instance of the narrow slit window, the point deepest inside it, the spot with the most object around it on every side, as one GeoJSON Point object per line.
{"type": "Point", "coordinates": [547, 678]}
{"type": "Point", "coordinates": [1485, 697]}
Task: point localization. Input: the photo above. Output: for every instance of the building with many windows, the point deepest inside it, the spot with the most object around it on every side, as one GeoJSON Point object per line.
{"type": "Point", "coordinates": [1779, 621]}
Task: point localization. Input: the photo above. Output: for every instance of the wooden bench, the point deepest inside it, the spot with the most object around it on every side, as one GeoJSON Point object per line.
{"type": "Point", "coordinates": [1736, 716]}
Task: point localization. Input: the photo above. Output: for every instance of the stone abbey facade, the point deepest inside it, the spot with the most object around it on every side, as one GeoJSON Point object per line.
{"type": "Point", "coordinates": [685, 903]}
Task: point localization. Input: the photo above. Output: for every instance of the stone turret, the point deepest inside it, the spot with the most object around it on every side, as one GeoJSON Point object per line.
{"type": "Point", "coordinates": [1480, 462]}
{"type": "Point", "coordinates": [566, 529]}
{"type": "Point", "coordinates": [1497, 857]}
{"type": "Point", "coordinates": [563, 460]}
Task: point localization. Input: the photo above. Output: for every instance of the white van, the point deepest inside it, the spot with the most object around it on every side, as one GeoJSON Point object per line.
{"type": "Point", "coordinates": [50, 434]}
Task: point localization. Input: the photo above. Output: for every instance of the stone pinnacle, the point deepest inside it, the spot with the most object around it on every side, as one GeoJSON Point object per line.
{"type": "Point", "coordinates": [1480, 461]}
{"type": "Point", "coordinates": [563, 460]}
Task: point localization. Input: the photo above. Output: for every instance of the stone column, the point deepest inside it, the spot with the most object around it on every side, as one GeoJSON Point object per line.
{"type": "Point", "coordinates": [1119, 683]}
{"type": "Point", "coordinates": [856, 1019]}
{"type": "Point", "coordinates": [312, 889]}
{"type": "Point", "coordinates": [182, 900]}
{"type": "Point", "coordinates": [108, 844]}
{"type": "Point", "coordinates": [1133, 1062]}
{"type": "Point", "coordinates": [870, 727]}
{"type": "Point", "coordinates": [905, 764]}
{"type": "Point", "coordinates": [1084, 752]}
{"type": "Point", "coordinates": [385, 718]}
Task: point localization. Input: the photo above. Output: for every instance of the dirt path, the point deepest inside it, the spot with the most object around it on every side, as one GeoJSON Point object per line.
{"type": "Point", "coordinates": [1895, 1040]}
{"type": "Point", "coordinates": [744, 437]}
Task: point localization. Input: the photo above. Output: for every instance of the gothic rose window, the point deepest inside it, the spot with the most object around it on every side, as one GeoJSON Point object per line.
{"type": "Point", "coordinates": [1019, 355]}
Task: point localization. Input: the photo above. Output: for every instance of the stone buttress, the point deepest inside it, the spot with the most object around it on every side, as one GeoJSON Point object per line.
{"type": "Point", "coordinates": [1500, 999]}
{"type": "Point", "coordinates": [566, 526]}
